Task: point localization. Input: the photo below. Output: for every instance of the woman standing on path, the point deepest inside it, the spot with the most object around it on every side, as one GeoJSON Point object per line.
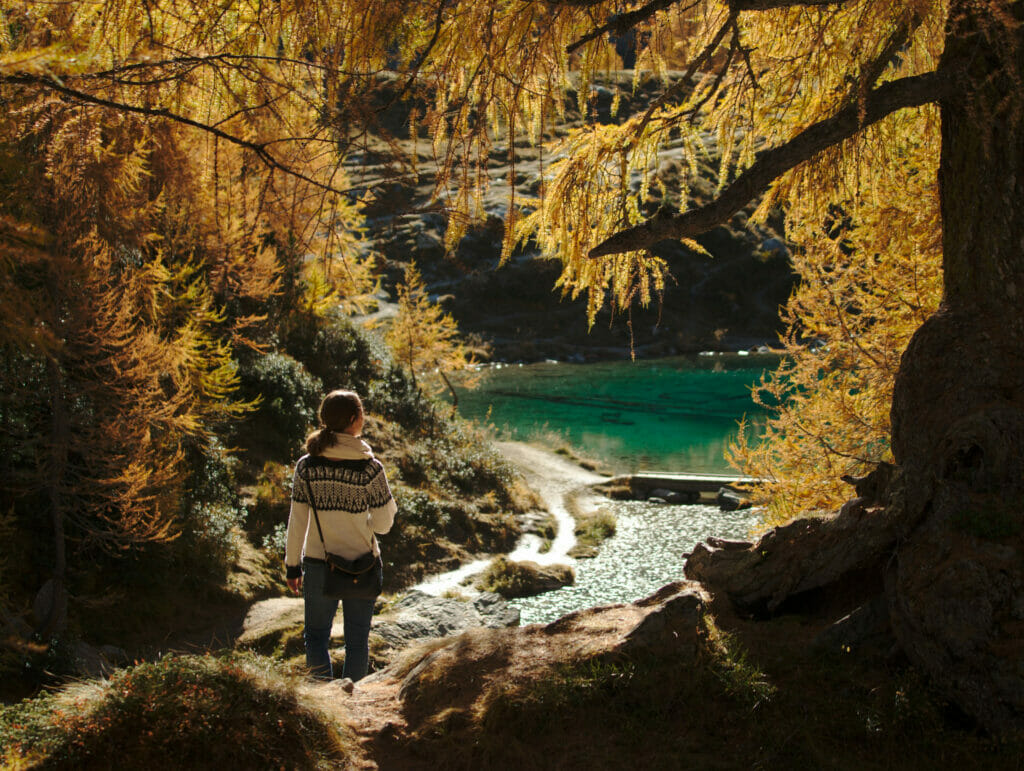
{"type": "Point", "coordinates": [353, 503]}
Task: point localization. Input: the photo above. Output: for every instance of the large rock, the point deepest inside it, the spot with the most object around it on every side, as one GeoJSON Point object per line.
{"type": "Point", "coordinates": [468, 671]}
{"type": "Point", "coordinates": [272, 624]}
{"type": "Point", "coordinates": [799, 557]}
{"type": "Point", "coordinates": [419, 616]}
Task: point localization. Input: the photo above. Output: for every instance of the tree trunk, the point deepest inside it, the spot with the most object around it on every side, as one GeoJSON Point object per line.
{"type": "Point", "coordinates": [950, 539]}
{"type": "Point", "coordinates": [956, 588]}
{"type": "Point", "coordinates": [51, 604]}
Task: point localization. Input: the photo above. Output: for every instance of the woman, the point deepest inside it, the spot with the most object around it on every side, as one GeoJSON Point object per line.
{"type": "Point", "coordinates": [353, 502]}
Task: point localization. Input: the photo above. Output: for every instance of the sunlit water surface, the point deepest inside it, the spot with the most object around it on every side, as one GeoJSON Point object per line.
{"type": "Point", "coordinates": [674, 414]}
{"type": "Point", "coordinates": [645, 553]}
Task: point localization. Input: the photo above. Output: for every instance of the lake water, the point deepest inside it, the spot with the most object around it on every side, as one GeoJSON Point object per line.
{"type": "Point", "coordinates": [665, 414]}
{"type": "Point", "coordinates": [673, 414]}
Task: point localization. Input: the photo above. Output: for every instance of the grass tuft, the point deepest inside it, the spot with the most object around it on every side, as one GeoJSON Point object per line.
{"type": "Point", "coordinates": [189, 711]}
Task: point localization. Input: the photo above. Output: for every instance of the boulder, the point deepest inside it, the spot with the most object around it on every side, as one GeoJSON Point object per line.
{"type": "Point", "coordinates": [271, 624]}
{"type": "Point", "coordinates": [805, 555]}
{"type": "Point", "coordinates": [92, 662]}
{"type": "Point", "coordinates": [468, 671]}
{"type": "Point", "coordinates": [420, 616]}
{"type": "Point", "coordinates": [276, 624]}
{"type": "Point", "coordinates": [730, 500]}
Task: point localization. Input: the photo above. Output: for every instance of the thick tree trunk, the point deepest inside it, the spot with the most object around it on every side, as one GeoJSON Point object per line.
{"type": "Point", "coordinates": [956, 590]}
{"type": "Point", "coordinates": [950, 538]}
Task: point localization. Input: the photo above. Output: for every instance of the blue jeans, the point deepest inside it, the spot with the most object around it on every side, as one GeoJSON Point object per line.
{"type": "Point", "coordinates": [320, 611]}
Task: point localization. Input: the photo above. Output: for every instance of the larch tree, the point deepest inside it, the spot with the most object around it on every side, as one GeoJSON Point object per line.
{"type": "Point", "coordinates": [425, 339]}
{"type": "Point", "coordinates": [137, 253]}
{"type": "Point", "coordinates": [813, 104]}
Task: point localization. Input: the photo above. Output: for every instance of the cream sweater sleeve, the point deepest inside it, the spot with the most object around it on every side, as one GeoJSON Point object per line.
{"type": "Point", "coordinates": [380, 503]}
{"type": "Point", "coordinates": [298, 521]}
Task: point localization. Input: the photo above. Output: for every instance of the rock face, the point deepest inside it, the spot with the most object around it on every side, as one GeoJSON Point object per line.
{"type": "Point", "coordinates": [464, 672]}
{"type": "Point", "coordinates": [419, 616]}
{"type": "Point", "coordinates": [800, 557]}
{"type": "Point", "coordinates": [269, 624]}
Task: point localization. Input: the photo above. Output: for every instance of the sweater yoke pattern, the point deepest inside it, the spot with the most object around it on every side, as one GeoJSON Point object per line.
{"type": "Point", "coordinates": [352, 486]}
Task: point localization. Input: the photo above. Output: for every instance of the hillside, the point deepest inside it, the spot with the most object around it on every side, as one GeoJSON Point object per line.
{"type": "Point", "coordinates": [727, 302]}
{"type": "Point", "coordinates": [675, 679]}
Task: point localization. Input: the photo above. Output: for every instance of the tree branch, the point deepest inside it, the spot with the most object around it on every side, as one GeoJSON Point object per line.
{"type": "Point", "coordinates": [621, 22]}
{"type": "Point", "coordinates": [258, 149]}
{"type": "Point", "coordinates": [687, 79]}
{"type": "Point", "coordinates": [771, 164]}
{"type": "Point", "coordinates": [768, 5]}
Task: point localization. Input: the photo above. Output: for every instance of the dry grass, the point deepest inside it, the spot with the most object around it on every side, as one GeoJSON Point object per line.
{"type": "Point", "coordinates": [178, 712]}
{"type": "Point", "coordinates": [756, 697]}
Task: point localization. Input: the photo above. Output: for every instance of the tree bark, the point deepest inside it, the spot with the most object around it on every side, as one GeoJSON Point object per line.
{"type": "Point", "coordinates": [950, 539]}
{"type": "Point", "coordinates": [956, 589]}
{"type": "Point", "coordinates": [51, 603]}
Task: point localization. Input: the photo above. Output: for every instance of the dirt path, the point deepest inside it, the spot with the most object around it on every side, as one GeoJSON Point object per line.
{"type": "Point", "coordinates": [562, 485]}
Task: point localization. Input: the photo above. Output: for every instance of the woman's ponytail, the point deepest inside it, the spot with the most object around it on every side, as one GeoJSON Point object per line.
{"type": "Point", "coordinates": [337, 412]}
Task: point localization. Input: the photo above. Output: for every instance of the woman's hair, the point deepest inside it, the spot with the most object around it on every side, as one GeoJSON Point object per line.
{"type": "Point", "coordinates": [337, 411]}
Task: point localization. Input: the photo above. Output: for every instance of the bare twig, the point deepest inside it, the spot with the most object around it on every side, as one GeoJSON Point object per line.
{"type": "Point", "coordinates": [259, 149]}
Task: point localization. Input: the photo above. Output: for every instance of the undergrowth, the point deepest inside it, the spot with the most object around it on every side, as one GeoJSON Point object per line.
{"type": "Point", "coordinates": [178, 712]}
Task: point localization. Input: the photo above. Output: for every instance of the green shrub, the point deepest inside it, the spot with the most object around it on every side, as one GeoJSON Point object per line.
{"type": "Point", "coordinates": [271, 500]}
{"type": "Point", "coordinates": [393, 396]}
{"type": "Point", "coordinates": [289, 397]}
{"type": "Point", "coordinates": [211, 516]}
{"type": "Point", "coordinates": [594, 528]}
{"type": "Point", "coordinates": [337, 353]}
{"type": "Point", "coordinates": [523, 579]}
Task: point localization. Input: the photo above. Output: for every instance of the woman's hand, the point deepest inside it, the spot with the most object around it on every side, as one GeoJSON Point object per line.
{"type": "Point", "coordinates": [295, 584]}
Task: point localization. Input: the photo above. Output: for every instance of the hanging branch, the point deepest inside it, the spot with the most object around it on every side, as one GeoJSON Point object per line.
{"type": "Point", "coordinates": [623, 22]}
{"type": "Point", "coordinates": [771, 164]}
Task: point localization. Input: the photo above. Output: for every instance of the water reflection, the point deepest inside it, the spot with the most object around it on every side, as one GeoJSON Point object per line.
{"type": "Point", "coordinates": [674, 414]}
{"type": "Point", "coordinates": [645, 554]}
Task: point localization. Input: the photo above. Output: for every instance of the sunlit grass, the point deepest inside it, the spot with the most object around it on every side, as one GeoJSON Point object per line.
{"type": "Point", "coordinates": [194, 711]}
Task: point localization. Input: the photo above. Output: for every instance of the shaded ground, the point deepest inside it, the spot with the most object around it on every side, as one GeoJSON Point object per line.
{"type": "Point", "coordinates": [675, 680]}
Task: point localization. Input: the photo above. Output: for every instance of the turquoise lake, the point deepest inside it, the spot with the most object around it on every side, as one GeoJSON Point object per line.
{"type": "Point", "coordinates": [665, 414]}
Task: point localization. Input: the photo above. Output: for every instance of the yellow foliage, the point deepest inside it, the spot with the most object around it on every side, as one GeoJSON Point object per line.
{"type": "Point", "coordinates": [424, 338]}
{"type": "Point", "coordinates": [201, 142]}
{"type": "Point", "coordinates": [870, 275]}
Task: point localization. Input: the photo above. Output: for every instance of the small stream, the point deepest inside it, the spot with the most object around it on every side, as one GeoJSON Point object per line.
{"type": "Point", "coordinates": [645, 553]}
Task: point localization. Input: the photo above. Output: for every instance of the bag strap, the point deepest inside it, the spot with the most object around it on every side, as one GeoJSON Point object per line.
{"type": "Point", "coordinates": [316, 517]}
{"type": "Point", "coordinates": [312, 505]}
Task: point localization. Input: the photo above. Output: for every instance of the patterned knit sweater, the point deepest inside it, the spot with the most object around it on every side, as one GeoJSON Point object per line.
{"type": "Point", "coordinates": [353, 500]}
